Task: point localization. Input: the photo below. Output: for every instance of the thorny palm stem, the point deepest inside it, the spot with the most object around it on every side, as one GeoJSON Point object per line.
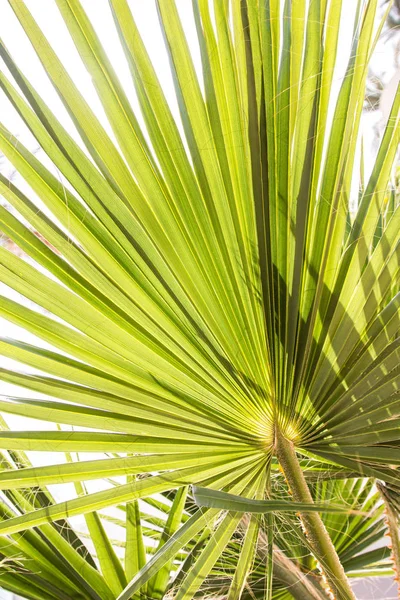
{"type": "Point", "coordinates": [393, 531]}
{"type": "Point", "coordinates": [316, 532]}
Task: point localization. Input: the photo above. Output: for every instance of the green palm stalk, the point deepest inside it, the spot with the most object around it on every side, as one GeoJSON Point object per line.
{"type": "Point", "coordinates": [391, 502]}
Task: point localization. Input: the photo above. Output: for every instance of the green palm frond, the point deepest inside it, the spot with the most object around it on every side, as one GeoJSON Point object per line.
{"type": "Point", "coordinates": [202, 300]}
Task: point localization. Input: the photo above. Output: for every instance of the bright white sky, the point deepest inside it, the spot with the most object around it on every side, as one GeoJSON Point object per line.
{"type": "Point", "coordinates": [49, 19]}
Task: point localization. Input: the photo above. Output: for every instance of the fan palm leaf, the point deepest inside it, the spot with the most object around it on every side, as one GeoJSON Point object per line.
{"type": "Point", "coordinates": [202, 296]}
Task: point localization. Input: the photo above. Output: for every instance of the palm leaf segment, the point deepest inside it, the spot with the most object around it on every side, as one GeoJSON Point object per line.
{"type": "Point", "coordinates": [206, 286]}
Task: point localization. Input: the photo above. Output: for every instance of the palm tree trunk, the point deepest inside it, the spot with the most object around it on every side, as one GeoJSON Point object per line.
{"type": "Point", "coordinates": [316, 532]}
{"type": "Point", "coordinates": [288, 573]}
{"type": "Point", "coordinates": [300, 587]}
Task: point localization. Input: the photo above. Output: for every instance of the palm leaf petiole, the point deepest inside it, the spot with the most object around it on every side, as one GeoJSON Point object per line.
{"type": "Point", "coordinates": [316, 532]}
